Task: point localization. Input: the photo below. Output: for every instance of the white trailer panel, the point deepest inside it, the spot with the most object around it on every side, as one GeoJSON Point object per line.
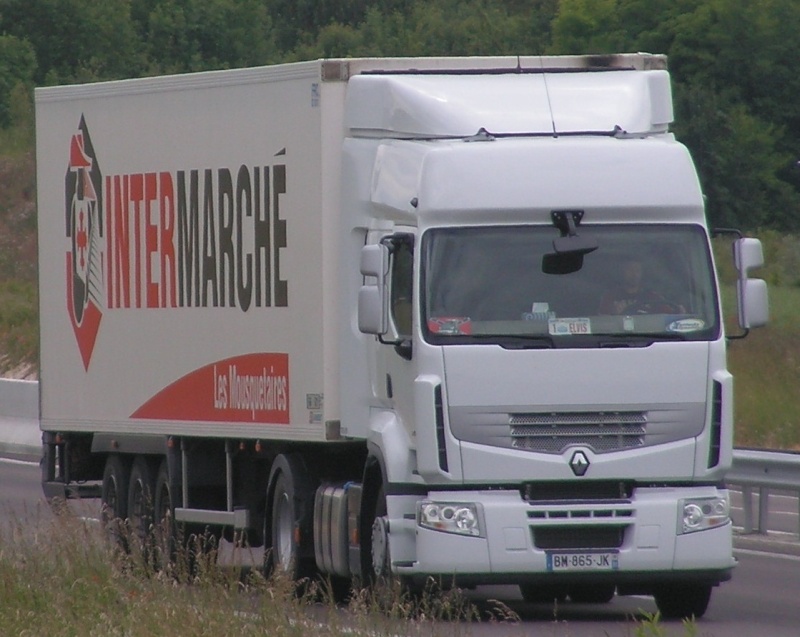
{"type": "Point", "coordinates": [181, 228]}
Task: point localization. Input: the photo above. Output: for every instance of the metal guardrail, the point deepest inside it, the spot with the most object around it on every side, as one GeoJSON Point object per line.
{"type": "Point", "coordinates": [19, 418]}
{"type": "Point", "coordinates": [756, 472]}
{"type": "Point", "coordinates": [760, 472]}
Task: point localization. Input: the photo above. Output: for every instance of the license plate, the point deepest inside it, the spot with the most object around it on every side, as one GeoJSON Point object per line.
{"type": "Point", "coordinates": [569, 326]}
{"type": "Point", "coordinates": [559, 562]}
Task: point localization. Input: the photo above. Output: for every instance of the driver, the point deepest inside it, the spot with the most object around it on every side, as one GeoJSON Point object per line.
{"type": "Point", "coordinates": [630, 295]}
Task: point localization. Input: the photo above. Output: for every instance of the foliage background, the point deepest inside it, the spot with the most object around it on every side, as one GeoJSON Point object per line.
{"type": "Point", "coordinates": [736, 91]}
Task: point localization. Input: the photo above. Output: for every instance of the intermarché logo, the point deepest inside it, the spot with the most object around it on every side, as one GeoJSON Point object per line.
{"type": "Point", "coordinates": [202, 237]}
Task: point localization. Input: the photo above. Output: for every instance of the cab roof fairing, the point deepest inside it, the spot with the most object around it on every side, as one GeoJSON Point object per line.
{"type": "Point", "coordinates": [437, 106]}
{"type": "Point", "coordinates": [523, 179]}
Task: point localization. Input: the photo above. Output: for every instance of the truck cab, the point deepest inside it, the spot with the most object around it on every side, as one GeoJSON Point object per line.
{"type": "Point", "coordinates": [549, 398]}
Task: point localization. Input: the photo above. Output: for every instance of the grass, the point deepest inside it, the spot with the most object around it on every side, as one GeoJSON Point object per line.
{"type": "Point", "coordinates": [19, 324]}
{"type": "Point", "coordinates": [61, 576]}
{"type": "Point", "coordinates": [66, 579]}
{"type": "Point", "coordinates": [766, 368]}
{"type": "Point", "coordinates": [19, 339]}
{"type": "Point", "coordinates": [766, 364]}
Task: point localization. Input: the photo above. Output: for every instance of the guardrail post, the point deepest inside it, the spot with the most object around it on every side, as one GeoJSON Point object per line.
{"type": "Point", "coordinates": [798, 515]}
{"type": "Point", "coordinates": [763, 509]}
{"type": "Point", "coordinates": [747, 506]}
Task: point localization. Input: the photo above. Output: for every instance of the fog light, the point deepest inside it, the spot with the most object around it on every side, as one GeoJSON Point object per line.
{"type": "Point", "coordinates": [699, 514]}
{"type": "Point", "coordinates": [450, 517]}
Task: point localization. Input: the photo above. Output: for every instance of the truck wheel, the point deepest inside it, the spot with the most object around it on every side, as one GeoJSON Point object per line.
{"type": "Point", "coordinates": [592, 594]}
{"type": "Point", "coordinates": [177, 547]}
{"type": "Point", "coordinates": [542, 594]}
{"type": "Point", "coordinates": [683, 601]}
{"type": "Point", "coordinates": [114, 497]}
{"type": "Point", "coordinates": [379, 541]}
{"type": "Point", "coordinates": [140, 504]}
{"type": "Point", "coordinates": [164, 512]}
{"type": "Point", "coordinates": [290, 524]}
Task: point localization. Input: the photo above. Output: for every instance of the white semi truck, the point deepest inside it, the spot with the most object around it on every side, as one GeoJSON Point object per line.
{"type": "Point", "coordinates": [439, 317]}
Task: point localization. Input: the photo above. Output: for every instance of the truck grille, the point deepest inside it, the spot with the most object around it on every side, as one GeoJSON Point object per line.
{"type": "Point", "coordinates": [601, 431]}
{"type": "Point", "coordinates": [589, 537]}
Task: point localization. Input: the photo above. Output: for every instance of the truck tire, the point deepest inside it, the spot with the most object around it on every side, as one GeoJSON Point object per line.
{"type": "Point", "coordinates": [141, 488]}
{"type": "Point", "coordinates": [683, 601]}
{"type": "Point", "coordinates": [163, 518]}
{"type": "Point", "coordinates": [289, 523]}
{"type": "Point", "coordinates": [379, 559]}
{"type": "Point", "coordinates": [178, 547]}
{"type": "Point", "coordinates": [114, 497]}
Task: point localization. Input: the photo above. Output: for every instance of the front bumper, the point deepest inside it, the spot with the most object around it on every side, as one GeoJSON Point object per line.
{"type": "Point", "coordinates": [641, 532]}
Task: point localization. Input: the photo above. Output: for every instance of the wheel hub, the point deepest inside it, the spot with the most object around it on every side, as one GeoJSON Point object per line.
{"type": "Point", "coordinates": [380, 547]}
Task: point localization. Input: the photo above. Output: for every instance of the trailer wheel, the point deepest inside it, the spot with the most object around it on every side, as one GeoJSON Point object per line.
{"type": "Point", "coordinates": [289, 523]}
{"type": "Point", "coordinates": [114, 496]}
{"type": "Point", "coordinates": [164, 513]}
{"type": "Point", "coordinates": [684, 601]}
{"type": "Point", "coordinates": [140, 505]}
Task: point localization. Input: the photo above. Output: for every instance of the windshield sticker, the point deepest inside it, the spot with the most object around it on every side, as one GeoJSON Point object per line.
{"type": "Point", "coordinates": [686, 325]}
{"type": "Point", "coordinates": [450, 325]}
{"type": "Point", "coordinates": [569, 326]}
{"type": "Point", "coordinates": [539, 312]}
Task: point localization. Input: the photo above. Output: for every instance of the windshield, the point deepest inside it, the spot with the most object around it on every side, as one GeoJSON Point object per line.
{"type": "Point", "coordinates": [641, 284]}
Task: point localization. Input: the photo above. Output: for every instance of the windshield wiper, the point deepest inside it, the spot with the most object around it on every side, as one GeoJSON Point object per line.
{"type": "Point", "coordinates": [637, 340]}
{"type": "Point", "coordinates": [517, 341]}
{"type": "Point", "coordinates": [665, 336]}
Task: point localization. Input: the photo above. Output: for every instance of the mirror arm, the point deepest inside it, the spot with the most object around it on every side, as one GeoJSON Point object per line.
{"type": "Point", "coordinates": [716, 232]}
{"type": "Point", "coordinates": [735, 337]}
{"type": "Point", "coordinates": [403, 346]}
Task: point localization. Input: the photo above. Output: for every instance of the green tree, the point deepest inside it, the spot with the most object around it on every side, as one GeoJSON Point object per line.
{"type": "Point", "coordinates": [195, 35]}
{"type": "Point", "coordinates": [749, 130]}
{"type": "Point", "coordinates": [17, 68]}
{"type": "Point", "coordinates": [737, 100]}
{"type": "Point", "coordinates": [587, 26]}
{"type": "Point", "coordinates": [75, 39]}
{"type": "Point", "coordinates": [438, 27]}
{"type": "Point", "coordinates": [300, 22]}
{"type": "Point", "coordinates": [737, 158]}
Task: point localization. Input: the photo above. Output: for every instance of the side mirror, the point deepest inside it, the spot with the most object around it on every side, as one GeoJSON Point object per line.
{"type": "Point", "coordinates": [752, 294]}
{"type": "Point", "coordinates": [747, 255]}
{"type": "Point", "coordinates": [753, 303]}
{"type": "Point", "coordinates": [373, 315]}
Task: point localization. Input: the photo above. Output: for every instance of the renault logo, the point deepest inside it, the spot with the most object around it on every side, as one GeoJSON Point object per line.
{"type": "Point", "coordinates": [579, 463]}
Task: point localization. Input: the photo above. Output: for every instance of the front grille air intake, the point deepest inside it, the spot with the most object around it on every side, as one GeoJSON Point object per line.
{"type": "Point", "coordinates": [600, 431]}
{"type": "Point", "coordinates": [586, 537]}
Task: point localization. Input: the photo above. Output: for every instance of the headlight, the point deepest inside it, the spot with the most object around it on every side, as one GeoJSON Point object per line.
{"type": "Point", "coordinates": [699, 514]}
{"type": "Point", "coordinates": [451, 517]}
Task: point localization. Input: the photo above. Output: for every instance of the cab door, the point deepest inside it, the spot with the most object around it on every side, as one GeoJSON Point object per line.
{"type": "Point", "coordinates": [395, 360]}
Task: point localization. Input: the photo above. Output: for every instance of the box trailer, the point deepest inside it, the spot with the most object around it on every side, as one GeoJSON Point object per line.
{"type": "Point", "coordinates": [434, 317]}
